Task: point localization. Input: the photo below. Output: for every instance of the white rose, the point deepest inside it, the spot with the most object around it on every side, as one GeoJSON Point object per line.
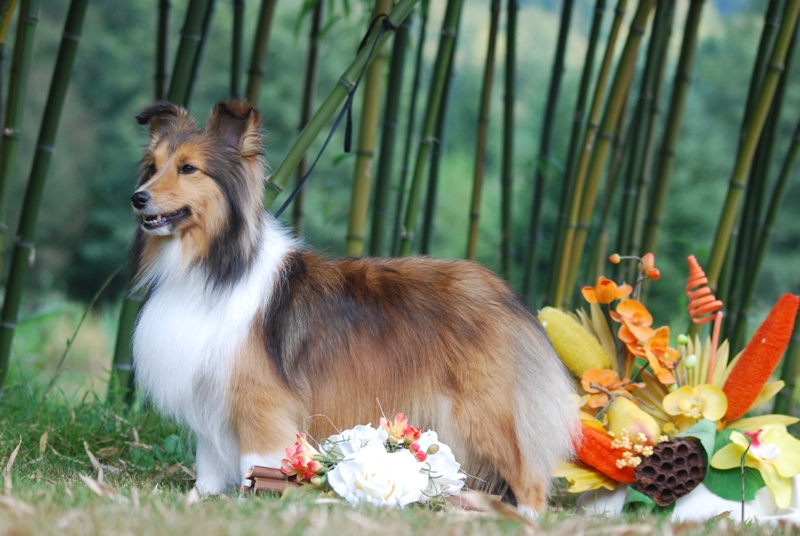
{"type": "Point", "coordinates": [351, 441]}
{"type": "Point", "coordinates": [378, 477]}
{"type": "Point", "coordinates": [441, 469]}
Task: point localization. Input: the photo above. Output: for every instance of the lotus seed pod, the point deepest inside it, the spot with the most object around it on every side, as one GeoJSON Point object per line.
{"type": "Point", "coordinates": [673, 470]}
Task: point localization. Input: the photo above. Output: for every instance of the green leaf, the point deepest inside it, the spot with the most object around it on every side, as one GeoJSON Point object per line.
{"type": "Point", "coordinates": [636, 501]}
{"type": "Point", "coordinates": [704, 431]}
{"type": "Point", "coordinates": [727, 483]}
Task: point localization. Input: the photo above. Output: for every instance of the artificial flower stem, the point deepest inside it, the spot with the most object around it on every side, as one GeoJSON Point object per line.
{"type": "Point", "coordinates": [714, 343]}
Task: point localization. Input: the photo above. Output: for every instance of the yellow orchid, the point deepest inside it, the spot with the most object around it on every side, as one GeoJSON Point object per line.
{"type": "Point", "coordinates": [690, 404]}
{"type": "Point", "coordinates": [624, 415]}
{"type": "Point", "coordinates": [773, 452]}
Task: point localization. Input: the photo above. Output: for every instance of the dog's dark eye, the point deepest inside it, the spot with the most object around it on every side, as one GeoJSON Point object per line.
{"type": "Point", "coordinates": [187, 169]}
{"type": "Point", "coordinates": [151, 169]}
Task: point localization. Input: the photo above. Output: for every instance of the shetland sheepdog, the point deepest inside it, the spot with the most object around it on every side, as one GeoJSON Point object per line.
{"type": "Point", "coordinates": [246, 334]}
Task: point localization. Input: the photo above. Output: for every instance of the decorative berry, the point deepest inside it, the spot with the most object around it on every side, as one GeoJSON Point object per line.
{"type": "Point", "coordinates": [674, 469]}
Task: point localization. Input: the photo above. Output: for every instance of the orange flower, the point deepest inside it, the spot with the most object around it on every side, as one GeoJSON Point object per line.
{"type": "Point", "coordinates": [400, 431]}
{"type": "Point", "coordinates": [597, 381]}
{"type": "Point", "coordinates": [635, 329]}
{"type": "Point", "coordinates": [605, 291]}
{"type": "Point", "coordinates": [661, 357]}
{"type": "Point", "coordinates": [301, 460]}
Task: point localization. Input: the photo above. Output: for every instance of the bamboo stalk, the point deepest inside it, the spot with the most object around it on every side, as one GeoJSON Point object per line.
{"type": "Point", "coordinates": [6, 13]}
{"type": "Point", "coordinates": [482, 131]}
{"type": "Point", "coordinates": [365, 152]}
{"type": "Point", "coordinates": [746, 264]}
{"type": "Point", "coordinates": [507, 165]}
{"type": "Point", "coordinates": [784, 401]}
{"type": "Point", "coordinates": [306, 108]}
{"type": "Point", "coordinates": [451, 17]}
{"type": "Point", "coordinates": [23, 245]}
{"type": "Point", "coordinates": [640, 130]}
{"type": "Point", "coordinates": [766, 231]}
{"type": "Point", "coordinates": [237, 39]}
{"type": "Point", "coordinates": [576, 182]}
{"type": "Point", "coordinates": [258, 60]}
{"type": "Point", "coordinates": [752, 133]}
{"type": "Point", "coordinates": [543, 157]}
{"type": "Point", "coordinates": [162, 49]}
{"type": "Point", "coordinates": [429, 212]}
{"type": "Point", "coordinates": [411, 126]}
{"type": "Point", "coordinates": [675, 114]}
{"type": "Point", "coordinates": [15, 106]}
{"type": "Point", "coordinates": [335, 98]}
{"type": "Point", "coordinates": [578, 123]}
{"type": "Point", "coordinates": [608, 125]}
{"type": "Point", "coordinates": [191, 36]}
{"type": "Point", "coordinates": [391, 116]}
{"type": "Point", "coordinates": [201, 46]}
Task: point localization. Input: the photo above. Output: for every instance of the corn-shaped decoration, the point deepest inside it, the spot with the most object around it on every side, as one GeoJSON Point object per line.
{"type": "Point", "coordinates": [577, 348]}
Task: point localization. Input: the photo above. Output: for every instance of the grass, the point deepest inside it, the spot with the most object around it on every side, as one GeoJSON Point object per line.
{"type": "Point", "coordinates": [73, 463]}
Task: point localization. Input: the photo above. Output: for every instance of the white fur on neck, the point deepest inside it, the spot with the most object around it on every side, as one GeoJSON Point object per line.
{"type": "Point", "coordinates": [186, 338]}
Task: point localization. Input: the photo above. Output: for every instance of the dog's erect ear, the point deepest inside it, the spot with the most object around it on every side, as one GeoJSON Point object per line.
{"type": "Point", "coordinates": [161, 115]}
{"type": "Point", "coordinates": [238, 124]}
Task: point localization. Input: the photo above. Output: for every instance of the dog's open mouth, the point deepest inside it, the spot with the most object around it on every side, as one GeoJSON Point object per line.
{"type": "Point", "coordinates": [152, 222]}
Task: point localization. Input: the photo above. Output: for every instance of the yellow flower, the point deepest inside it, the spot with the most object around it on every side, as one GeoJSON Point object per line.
{"type": "Point", "coordinates": [624, 414]}
{"type": "Point", "coordinates": [690, 404]}
{"type": "Point", "coordinates": [773, 452]}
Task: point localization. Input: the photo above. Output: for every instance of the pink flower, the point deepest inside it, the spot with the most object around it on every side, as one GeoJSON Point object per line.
{"type": "Point", "coordinates": [301, 460]}
{"type": "Point", "coordinates": [420, 454]}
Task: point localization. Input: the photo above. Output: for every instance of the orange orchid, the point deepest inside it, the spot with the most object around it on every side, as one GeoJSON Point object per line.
{"type": "Point", "coordinates": [635, 329]}
{"type": "Point", "coordinates": [605, 291]}
{"type": "Point", "coordinates": [599, 383]}
{"type": "Point", "coordinates": [661, 357]}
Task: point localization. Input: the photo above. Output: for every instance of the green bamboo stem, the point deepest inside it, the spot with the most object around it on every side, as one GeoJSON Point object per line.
{"type": "Point", "coordinates": [784, 401]}
{"type": "Point", "coordinates": [365, 151]}
{"type": "Point", "coordinates": [746, 264]}
{"type": "Point", "coordinates": [577, 180]}
{"type": "Point", "coordinates": [306, 109]}
{"type": "Point", "coordinates": [542, 163]}
{"type": "Point", "coordinates": [258, 60]}
{"type": "Point", "coordinates": [6, 13]}
{"type": "Point", "coordinates": [432, 190]}
{"type": "Point", "coordinates": [411, 127]}
{"type": "Point", "coordinates": [23, 245]}
{"type": "Point", "coordinates": [451, 17]}
{"type": "Point", "coordinates": [507, 165]}
{"type": "Point", "coordinates": [752, 133]}
{"type": "Point", "coordinates": [162, 49]}
{"type": "Point", "coordinates": [237, 40]}
{"type": "Point", "coordinates": [482, 131]}
{"type": "Point", "coordinates": [391, 117]}
{"type": "Point", "coordinates": [640, 130]}
{"type": "Point", "coordinates": [329, 106]}
{"type": "Point", "coordinates": [191, 37]}
{"type": "Point", "coordinates": [578, 124]}
{"type": "Point", "coordinates": [767, 229]}
{"type": "Point", "coordinates": [675, 114]}
{"type": "Point", "coordinates": [201, 46]}
{"type": "Point", "coordinates": [15, 106]}
{"type": "Point", "coordinates": [608, 125]}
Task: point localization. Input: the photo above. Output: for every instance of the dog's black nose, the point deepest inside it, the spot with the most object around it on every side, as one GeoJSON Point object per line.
{"type": "Point", "coordinates": [140, 199]}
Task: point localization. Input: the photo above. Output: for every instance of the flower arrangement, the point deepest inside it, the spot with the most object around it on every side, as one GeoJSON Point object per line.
{"type": "Point", "coordinates": [663, 419]}
{"type": "Point", "coordinates": [393, 465]}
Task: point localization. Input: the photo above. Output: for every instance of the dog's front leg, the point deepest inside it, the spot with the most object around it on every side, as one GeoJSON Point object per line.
{"type": "Point", "coordinates": [213, 473]}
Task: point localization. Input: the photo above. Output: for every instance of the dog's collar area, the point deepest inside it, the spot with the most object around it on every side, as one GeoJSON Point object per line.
{"type": "Point", "coordinates": [151, 222]}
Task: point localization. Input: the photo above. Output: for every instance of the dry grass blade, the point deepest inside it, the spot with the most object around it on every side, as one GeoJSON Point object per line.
{"type": "Point", "coordinates": [43, 443]}
{"type": "Point", "coordinates": [17, 506]}
{"type": "Point", "coordinates": [482, 502]}
{"type": "Point", "coordinates": [7, 471]}
{"type": "Point", "coordinates": [102, 490]}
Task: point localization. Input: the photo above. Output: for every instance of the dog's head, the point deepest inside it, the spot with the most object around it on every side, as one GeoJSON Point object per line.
{"type": "Point", "coordinates": [199, 181]}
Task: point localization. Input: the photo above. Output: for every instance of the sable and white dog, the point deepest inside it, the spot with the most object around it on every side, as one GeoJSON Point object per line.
{"type": "Point", "coordinates": [246, 334]}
